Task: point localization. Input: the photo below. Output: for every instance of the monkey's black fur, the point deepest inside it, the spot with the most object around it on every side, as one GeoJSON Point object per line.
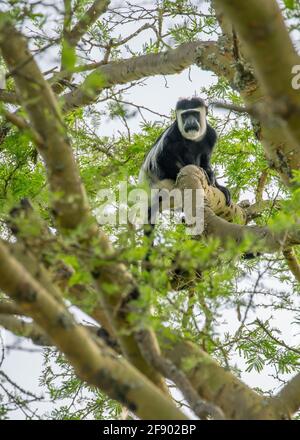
{"type": "Point", "coordinates": [177, 152]}
{"type": "Point", "coordinates": [175, 149]}
{"type": "Point", "coordinates": [172, 150]}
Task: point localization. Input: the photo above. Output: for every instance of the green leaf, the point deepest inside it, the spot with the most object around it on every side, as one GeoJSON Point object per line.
{"type": "Point", "coordinates": [290, 4]}
{"type": "Point", "coordinates": [94, 82]}
{"type": "Point", "coordinates": [68, 56]}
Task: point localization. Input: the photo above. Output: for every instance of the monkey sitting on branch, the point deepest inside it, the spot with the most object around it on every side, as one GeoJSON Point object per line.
{"type": "Point", "coordinates": [189, 141]}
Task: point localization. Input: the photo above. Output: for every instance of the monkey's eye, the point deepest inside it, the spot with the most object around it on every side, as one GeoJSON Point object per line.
{"type": "Point", "coordinates": [193, 114]}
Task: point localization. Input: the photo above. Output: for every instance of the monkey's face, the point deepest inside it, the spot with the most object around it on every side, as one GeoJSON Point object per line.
{"type": "Point", "coordinates": [192, 123]}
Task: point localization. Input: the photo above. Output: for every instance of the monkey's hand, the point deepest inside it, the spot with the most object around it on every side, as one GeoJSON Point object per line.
{"type": "Point", "coordinates": [213, 182]}
{"type": "Point", "coordinates": [210, 176]}
{"type": "Point", "coordinates": [226, 193]}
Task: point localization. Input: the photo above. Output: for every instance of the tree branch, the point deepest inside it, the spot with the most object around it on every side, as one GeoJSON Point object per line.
{"type": "Point", "coordinates": [292, 262]}
{"type": "Point", "coordinates": [9, 307]}
{"type": "Point", "coordinates": [219, 386]}
{"type": "Point", "coordinates": [8, 97]}
{"type": "Point", "coordinates": [152, 353]}
{"type": "Point", "coordinates": [22, 124]}
{"type": "Point", "coordinates": [71, 37]}
{"type": "Point", "coordinates": [98, 8]}
{"type": "Point", "coordinates": [71, 204]}
{"type": "Point", "coordinates": [289, 396]}
{"type": "Point", "coordinates": [267, 43]}
{"type": "Point", "coordinates": [29, 330]}
{"type": "Point", "coordinates": [172, 61]}
{"type": "Point", "coordinates": [101, 368]}
{"type": "Point", "coordinates": [217, 217]}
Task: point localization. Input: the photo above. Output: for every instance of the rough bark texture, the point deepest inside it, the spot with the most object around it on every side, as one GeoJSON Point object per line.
{"type": "Point", "coordinates": [219, 386]}
{"type": "Point", "coordinates": [38, 99]}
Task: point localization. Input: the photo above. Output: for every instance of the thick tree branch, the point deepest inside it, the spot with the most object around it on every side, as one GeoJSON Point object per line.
{"type": "Point", "coordinates": [152, 353]}
{"type": "Point", "coordinates": [289, 396]}
{"type": "Point", "coordinates": [267, 43]}
{"type": "Point", "coordinates": [34, 248]}
{"type": "Point", "coordinates": [269, 129]}
{"type": "Point", "coordinates": [219, 386]}
{"type": "Point", "coordinates": [255, 210]}
{"type": "Point", "coordinates": [218, 218]}
{"type": "Point", "coordinates": [206, 54]}
{"type": "Point", "coordinates": [101, 368]}
{"type": "Point", "coordinates": [29, 330]}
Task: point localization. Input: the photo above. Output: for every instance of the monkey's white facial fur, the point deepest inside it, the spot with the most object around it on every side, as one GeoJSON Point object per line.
{"type": "Point", "coordinates": [192, 123]}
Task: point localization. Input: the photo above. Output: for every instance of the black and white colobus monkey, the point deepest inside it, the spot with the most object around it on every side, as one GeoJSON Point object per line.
{"type": "Point", "coordinates": [190, 140]}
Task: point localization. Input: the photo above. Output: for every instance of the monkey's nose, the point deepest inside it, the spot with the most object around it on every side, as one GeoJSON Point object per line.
{"type": "Point", "coordinates": [191, 126]}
